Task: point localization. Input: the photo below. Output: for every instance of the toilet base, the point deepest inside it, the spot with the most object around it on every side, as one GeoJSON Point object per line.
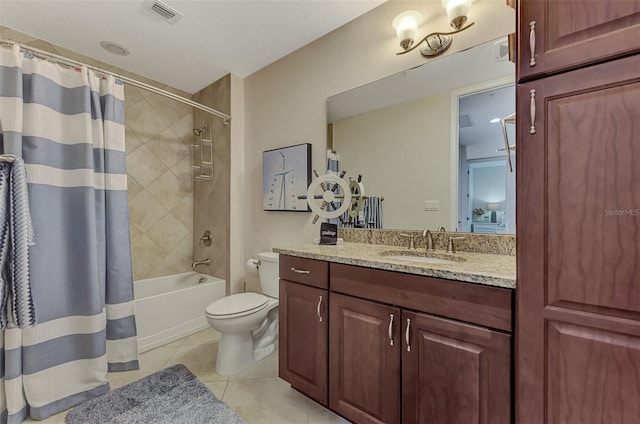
{"type": "Point", "coordinates": [238, 352]}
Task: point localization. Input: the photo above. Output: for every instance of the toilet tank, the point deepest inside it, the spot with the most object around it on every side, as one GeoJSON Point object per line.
{"type": "Point", "coordinates": [269, 273]}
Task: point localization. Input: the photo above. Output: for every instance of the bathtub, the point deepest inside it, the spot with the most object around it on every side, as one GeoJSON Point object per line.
{"type": "Point", "coordinates": [171, 307]}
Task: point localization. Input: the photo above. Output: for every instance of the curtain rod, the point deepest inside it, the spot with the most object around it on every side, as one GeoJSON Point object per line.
{"type": "Point", "coordinates": [63, 60]}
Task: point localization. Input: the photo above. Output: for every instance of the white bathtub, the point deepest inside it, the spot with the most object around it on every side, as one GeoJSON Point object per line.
{"type": "Point", "coordinates": [171, 307]}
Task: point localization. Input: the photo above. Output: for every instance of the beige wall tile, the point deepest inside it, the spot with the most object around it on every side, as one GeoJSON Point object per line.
{"type": "Point", "coordinates": [168, 148]}
{"type": "Point", "coordinates": [184, 129]}
{"type": "Point", "coordinates": [145, 211]}
{"type": "Point", "coordinates": [167, 233]}
{"type": "Point", "coordinates": [144, 121]}
{"type": "Point", "coordinates": [178, 259]}
{"type": "Point", "coordinates": [182, 170]}
{"type": "Point", "coordinates": [184, 251]}
{"type": "Point", "coordinates": [131, 95]}
{"type": "Point", "coordinates": [144, 166]}
{"type": "Point", "coordinates": [169, 110]}
{"type": "Point", "coordinates": [211, 198]}
{"type": "Point", "coordinates": [149, 255]}
{"type": "Point", "coordinates": [134, 233]}
{"type": "Point", "coordinates": [43, 45]}
{"type": "Point", "coordinates": [131, 140]}
{"type": "Point", "coordinates": [168, 190]}
{"type": "Point", "coordinates": [133, 187]}
{"type": "Point", "coordinates": [183, 211]}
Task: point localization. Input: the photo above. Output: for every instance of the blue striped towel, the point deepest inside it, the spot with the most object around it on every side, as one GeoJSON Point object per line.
{"type": "Point", "coordinates": [16, 235]}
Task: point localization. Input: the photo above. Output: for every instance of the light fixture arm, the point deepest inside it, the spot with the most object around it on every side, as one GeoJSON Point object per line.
{"type": "Point", "coordinates": [436, 34]}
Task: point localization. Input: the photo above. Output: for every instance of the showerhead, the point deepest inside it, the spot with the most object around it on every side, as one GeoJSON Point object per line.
{"type": "Point", "coordinates": [198, 131]}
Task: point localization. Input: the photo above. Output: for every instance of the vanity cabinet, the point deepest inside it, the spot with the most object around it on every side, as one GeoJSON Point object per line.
{"type": "Point", "coordinates": [389, 364]}
{"type": "Point", "coordinates": [390, 347]}
{"type": "Point", "coordinates": [454, 372]}
{"type": "Point", "coordinates": [303, 334]}
{"type": "Point", "coordinates": [364, 370]}
{"type": "Point", "coordinates": [578, 254]}
{"type": "Point", "coordinates": [559, 35]}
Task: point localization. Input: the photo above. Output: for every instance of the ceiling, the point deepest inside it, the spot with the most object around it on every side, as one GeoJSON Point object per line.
{"type": "Point", "coordinates": [483, 107]}
{"type": "Point", "coordinates": [212, 39]}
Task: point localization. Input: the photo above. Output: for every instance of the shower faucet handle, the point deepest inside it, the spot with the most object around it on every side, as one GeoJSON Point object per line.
{"type": "Point", "coordinates": [206, 239]}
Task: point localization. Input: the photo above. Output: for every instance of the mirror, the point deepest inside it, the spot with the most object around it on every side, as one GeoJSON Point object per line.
{"type": "Point", "coordinates": [421, 139]}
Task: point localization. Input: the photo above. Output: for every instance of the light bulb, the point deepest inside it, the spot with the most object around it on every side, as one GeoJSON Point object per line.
{"type": "Point", "coordinates": [457, 11]}
{"type": "Point", "coordinates": [406, 26]}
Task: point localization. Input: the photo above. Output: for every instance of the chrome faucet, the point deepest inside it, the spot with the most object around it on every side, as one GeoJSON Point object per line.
{"type": "Point", "coordinates": [427, 234]}
{"type": "Point", "coordinates": [451, 248]}
{"type": "Point", "coordinates": [202, 262]}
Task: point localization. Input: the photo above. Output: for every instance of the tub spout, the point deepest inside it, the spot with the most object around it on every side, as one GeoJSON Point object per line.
{"type": "Point", "coordinates": [202, 262]}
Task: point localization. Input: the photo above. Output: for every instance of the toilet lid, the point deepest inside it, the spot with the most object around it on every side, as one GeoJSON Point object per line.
{"type": "Point", "coordinates": [236, 304]}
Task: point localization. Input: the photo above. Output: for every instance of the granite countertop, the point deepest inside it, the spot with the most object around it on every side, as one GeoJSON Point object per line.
{"type": "Point", "coordinates": [480, 268]}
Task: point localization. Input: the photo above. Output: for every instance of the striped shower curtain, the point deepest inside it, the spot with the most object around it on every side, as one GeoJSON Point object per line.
{"type": "Point", "coordinates": [68, 126]}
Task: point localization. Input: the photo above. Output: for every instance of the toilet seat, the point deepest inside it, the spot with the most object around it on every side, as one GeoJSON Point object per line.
{"type": "Point", "coordinates": [237, 305]}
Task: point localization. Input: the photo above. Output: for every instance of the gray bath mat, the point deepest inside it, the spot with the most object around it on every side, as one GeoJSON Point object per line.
{"type": "Point", "coordinates": [171, 396]}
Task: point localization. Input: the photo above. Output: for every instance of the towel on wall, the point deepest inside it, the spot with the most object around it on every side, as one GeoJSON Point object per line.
{"type": "Point", "coordinates": [16, 235]}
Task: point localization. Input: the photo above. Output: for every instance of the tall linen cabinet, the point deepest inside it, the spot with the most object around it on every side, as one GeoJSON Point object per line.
{"type": "Point", "coordinates": [578, 205]}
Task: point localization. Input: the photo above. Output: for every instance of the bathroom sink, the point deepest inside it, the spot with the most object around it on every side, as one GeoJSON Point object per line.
{"type": "Point", "coordinates": [423, 257]}
{"type": "Point", "coordinates": [420, 259]}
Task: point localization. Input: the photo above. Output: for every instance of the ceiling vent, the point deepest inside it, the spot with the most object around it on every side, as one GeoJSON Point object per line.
{"type": "Point", "coordinates": [163, 10]}
{"type": "Point", "coordinates": [465, 121]}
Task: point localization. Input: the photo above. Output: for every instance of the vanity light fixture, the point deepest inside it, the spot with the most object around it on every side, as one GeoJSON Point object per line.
{"type": "Point", "coordinates": [406, 26]}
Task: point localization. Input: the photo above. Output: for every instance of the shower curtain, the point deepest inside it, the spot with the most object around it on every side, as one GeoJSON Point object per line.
{"type": "Point", "coordinates": [68, 126]}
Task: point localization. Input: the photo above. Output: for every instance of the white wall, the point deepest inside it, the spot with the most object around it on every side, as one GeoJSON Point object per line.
{"type": "Point", "coordinates": [413, 137]}
{"type": "Point", "coordinates": [286, 101]}
{"type": "Point", "coordinates": [237, 198]}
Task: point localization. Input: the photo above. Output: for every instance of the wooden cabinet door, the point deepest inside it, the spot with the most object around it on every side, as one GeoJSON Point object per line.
{"type": "Point", "coordinates": [364, 360]}
{"type": "Point", "coordinates": [573, 33]}
{"type": "Point", "coordinates": [303, 347]}
{"type": "Point", "coordinates": [454, 372]}
{"type": "Point", "coordinates": [578, 247]}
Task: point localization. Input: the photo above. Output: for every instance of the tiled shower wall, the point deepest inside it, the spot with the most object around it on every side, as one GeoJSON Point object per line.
{"type": "Point", "coordinates": [212, 197]}
{"type": "Point", "coordinates": [158, 133]}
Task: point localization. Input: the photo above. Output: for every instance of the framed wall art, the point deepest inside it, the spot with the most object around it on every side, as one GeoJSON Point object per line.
{"type": "Point", "coordinates": [286, 174]}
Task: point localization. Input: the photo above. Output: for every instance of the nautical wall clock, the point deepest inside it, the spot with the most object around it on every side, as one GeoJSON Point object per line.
{"type": "Point", "coordinates": [286, 174]}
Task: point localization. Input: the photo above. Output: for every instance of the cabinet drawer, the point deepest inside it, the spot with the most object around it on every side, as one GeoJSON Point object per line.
{"type": "Point", "coordinates": [306, 271]}
{"type": "Point", "coordinates": [483, 305]}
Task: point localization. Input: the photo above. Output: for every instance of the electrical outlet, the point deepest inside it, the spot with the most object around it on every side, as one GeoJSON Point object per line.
{"type": "Point", "coordinates": [431, 205]}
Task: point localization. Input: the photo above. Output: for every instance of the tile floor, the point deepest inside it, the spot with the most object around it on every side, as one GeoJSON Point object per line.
{"type": "Point", "coordinates": [257, 394]}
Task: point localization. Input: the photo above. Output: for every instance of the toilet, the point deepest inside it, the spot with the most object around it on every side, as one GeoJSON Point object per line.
{"type": "Point", "coordinates": [247, 322]}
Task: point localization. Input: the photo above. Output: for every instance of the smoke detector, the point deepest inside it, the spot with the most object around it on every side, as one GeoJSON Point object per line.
{"type": "Point", "coordinates": [114, 48]}
{"type": "Point", "coordinates": [163, 10]}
